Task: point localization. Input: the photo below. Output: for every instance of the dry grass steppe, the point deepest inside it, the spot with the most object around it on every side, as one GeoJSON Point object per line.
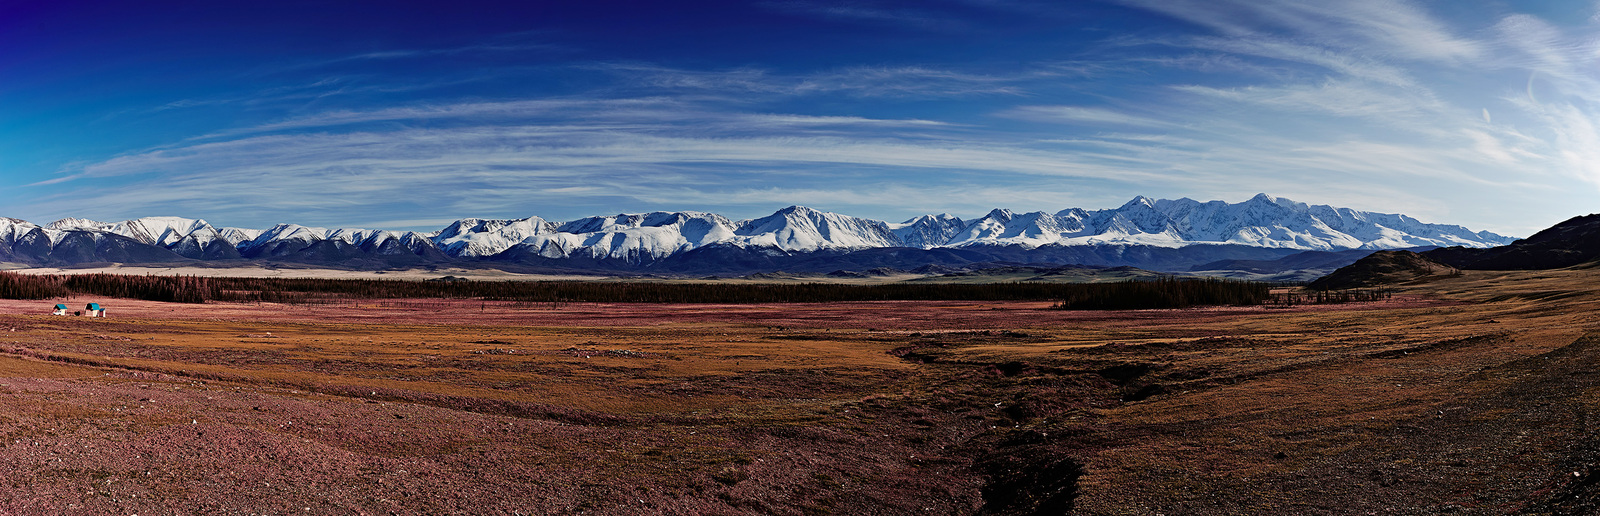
{"type": "Point", "coordinates": [1468, 395]}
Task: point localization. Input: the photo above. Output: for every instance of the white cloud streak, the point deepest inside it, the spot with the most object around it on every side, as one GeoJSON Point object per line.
{"type": "Point", "coordinates": [1083, 115]}
{"type": "Point", "coordinates": [858, 81]}
{"type": "Point", "coordinates": [1373, 27]}
{"type": "Point", "coordinates": [869, 12]}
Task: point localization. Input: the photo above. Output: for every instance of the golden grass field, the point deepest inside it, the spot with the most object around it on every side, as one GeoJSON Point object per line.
{"type": "Point", "coordinates": [1467, 395]}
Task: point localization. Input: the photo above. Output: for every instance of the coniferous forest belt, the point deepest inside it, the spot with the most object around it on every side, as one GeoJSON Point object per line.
{"type": "Point", "coordinates": [1158, 293]}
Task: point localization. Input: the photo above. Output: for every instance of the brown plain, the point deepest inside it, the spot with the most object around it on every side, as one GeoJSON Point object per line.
{"type": "Point", "coordinates": [1470, 395]}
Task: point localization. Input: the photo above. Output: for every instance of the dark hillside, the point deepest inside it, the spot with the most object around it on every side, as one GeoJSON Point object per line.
{"type": "Point", "coordinates": [1573, 242]}
{"type": "Point", "coordinates": [1302, 260]}
{"type": "Point", "coordinates": [1380, 268]}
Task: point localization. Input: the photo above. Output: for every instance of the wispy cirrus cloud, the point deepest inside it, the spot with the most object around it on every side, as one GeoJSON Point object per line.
{"type": "Point", "coordinates": [533, 42]}
{"type": "Point", "coordinates": [1333, 60]}
{"type": "Point", "coordinates": [905, 198]}
{"type": "Point", "coordinates": [866, 11]}
{"type": "Point", "coordinates": [563, 159]}
{"type": "Point", "coordinates": [1095, 116]}
{"type": "Point", "coordinates": [911, 80]}
{"type": "Point", "coordinates": [1371, 27]}
{"type": "Point", "coordinates": [1428, 85]}
{"type": "Point", "coordinates": [1332, 97]}
{"type": "Point", "coordinates": [508, 162]}
{"type": "Point", "coordinates": [594, 114]}
{"type": "Point", "coordinates": [898, 81]}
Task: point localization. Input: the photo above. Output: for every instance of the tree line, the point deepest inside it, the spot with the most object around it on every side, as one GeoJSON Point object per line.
{"type": "Point", "coordinates": [1165, 292]}
{"type": "Point", "coordinates": [289, 290]}
{"type": "Point", "coordinates": [175, 289]}
{"type": "Point", "coordinates": [1136, 294]}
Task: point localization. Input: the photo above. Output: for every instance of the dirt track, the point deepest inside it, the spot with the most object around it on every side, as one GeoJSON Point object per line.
{"type": "Point", "coordinates": [1440, 402]}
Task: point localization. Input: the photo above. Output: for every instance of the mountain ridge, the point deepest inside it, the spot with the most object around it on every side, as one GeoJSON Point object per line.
{"type": "Point", "coordinates": [794, 233]}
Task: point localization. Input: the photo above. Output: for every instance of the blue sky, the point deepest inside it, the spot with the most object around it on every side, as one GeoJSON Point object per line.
{"type": "Point", "coordinates": [384, 115]}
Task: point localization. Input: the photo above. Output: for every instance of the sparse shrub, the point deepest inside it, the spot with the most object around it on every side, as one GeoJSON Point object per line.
{"type": "Point", "coordinates": [730, 476]}
{"type": "Point", "coordinates": [1321, 297]}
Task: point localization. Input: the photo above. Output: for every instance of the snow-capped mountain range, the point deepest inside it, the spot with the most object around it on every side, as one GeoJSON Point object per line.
{"type": "Point", "coordinates": [640, 239]}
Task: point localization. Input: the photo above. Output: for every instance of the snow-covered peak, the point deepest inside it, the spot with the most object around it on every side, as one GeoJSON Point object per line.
{"type": "Point", "coordinates": [1073, 213]}
{"type": "Point", "coordinates": [592, 224]}
{"type": "Point", "coordinates": [1262, 221]}
{"type": "Point", "coordinates": [1137, 217]}
{"type": "Point", "coordinates": [484, 237]}
{"type": "Point", "coordinates": [798, 228]}
{"type": "Point", "coordinates": [999, 215]}
{"type": "Point", "coordinates": [283, 233]}
{"type": "Point", "coordinates": [632, 238]}
{"type": "Point", "coordinates": [1137, 202]}
{"type": "Point", "coordinates": [1280, 201]}
{"type": "Point", "coordinates": [625, 221]}
{"type": "Point", "coordinates": [13, 229]}
{"type": "Point", "coordinates": [8, 222]}
{"type": "Point", "coordinates": [942, 217]}
{"type": "Point", "coordinates": [77, 224]}
{"type": "Point", "coordinates": [382, 241]}
{"type": "Point", "coordinates": [356, 236]}
{"type": "Point", "coordinates": [238, 236]}
{"type": "Point", "coordinates": [1004, 227]}
{"type": "Point", "coordinates": [928, 231]}
{"type": "Point", "coordinates": [161, 231]}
